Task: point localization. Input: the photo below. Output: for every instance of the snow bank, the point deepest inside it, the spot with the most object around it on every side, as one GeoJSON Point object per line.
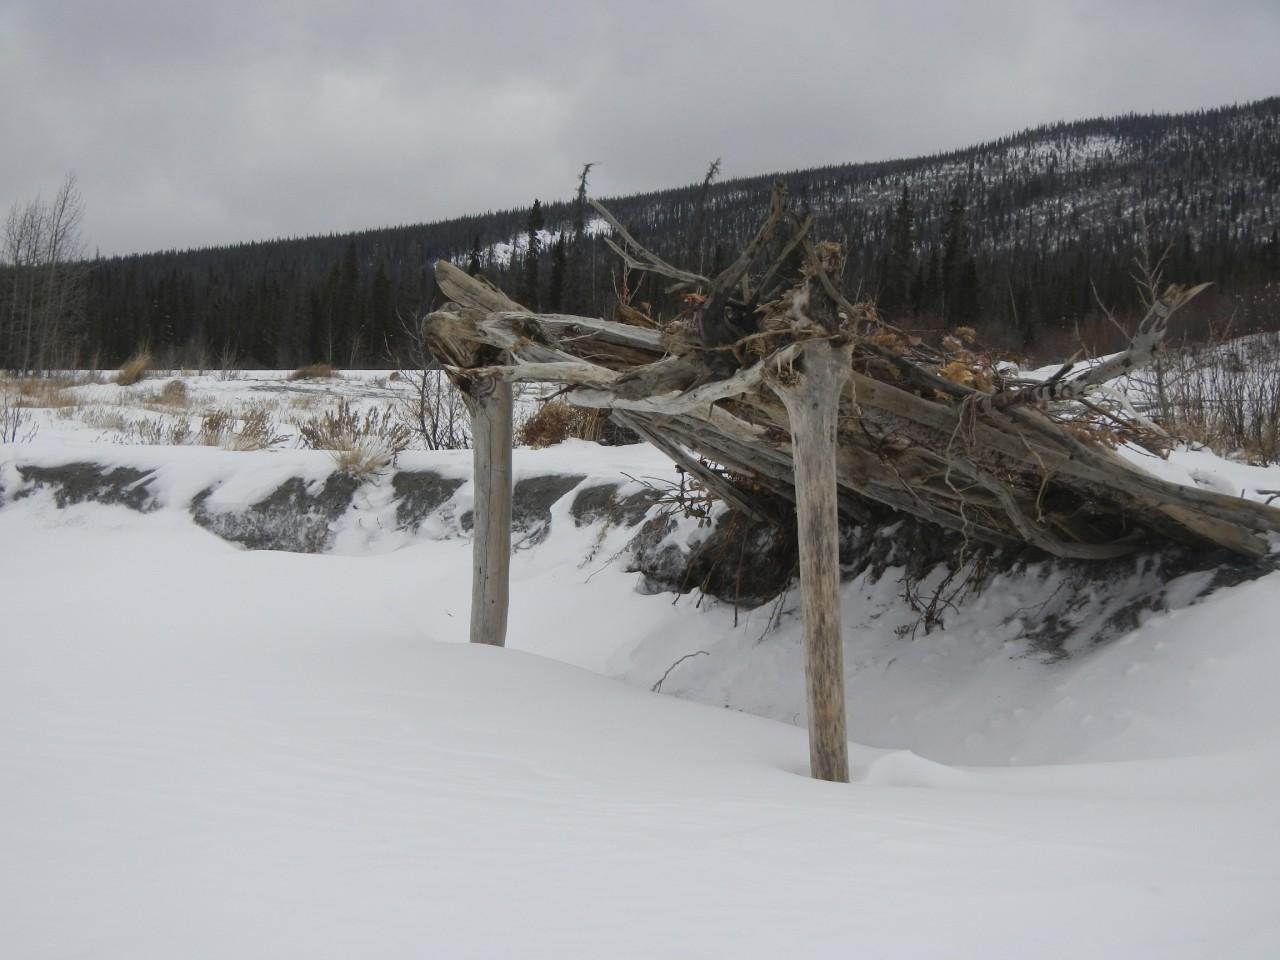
{"type": "Point", "coordinates": [207, 752]}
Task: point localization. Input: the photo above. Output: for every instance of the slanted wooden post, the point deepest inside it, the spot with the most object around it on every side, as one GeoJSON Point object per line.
{"type": "Point", "coordinates": [491, 413]}
{"type": "Point", "coordinates": [811, 390]}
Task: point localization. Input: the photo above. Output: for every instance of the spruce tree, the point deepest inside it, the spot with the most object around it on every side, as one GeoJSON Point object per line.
{"type": "Point", "coordinates": [528, 291]}
{"type": "Point", "coordinates": [698, 227]}
{"type": "Point", "coordinates": [575, 280]}
{"type": "Point", "coordinates": [555, 287]}
{"type": "Point", "coordinates": [967, 310]}
{"type": "Point", "coordinates": [955, 250]}
{"type": "Point", "coordinates": [382, 316]}
{"type": "Point", "coordinates": [895, 285]}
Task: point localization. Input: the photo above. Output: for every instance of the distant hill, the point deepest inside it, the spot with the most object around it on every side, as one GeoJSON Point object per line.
{"type": "Point", "coordinates": [1019, 236]}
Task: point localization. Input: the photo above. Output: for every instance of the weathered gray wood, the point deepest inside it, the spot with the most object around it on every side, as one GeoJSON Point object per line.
{"type": "Point", "coordinates": [555, 371]}
{"type": "Point", "coordinates": [1094, 466]}
{"type": "Point", "coordinates": [996, 467]}
{"type": "Point", "coordinates": [600, 331]}
{"type": "Point", "coordinates": [490, 402]}
{"type": "Point", "coordinates": [1141, 351]}
{"type": "Point", "coordinates": [811, 393]}
{"type": "Point", "coordinates": [476, 292]}
{"type": "Point", "coordinates": [719, 486]}
{"type": "Point", "coordinates": [489, 399]}
{"type": "Point", "coordinates": [636, 256]}
{"type": "Point", "coordinates": [698, 398]}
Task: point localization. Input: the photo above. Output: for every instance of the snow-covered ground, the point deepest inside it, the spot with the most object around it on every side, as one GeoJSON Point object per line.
{"type": "Point", "coordinates": [211, 752]}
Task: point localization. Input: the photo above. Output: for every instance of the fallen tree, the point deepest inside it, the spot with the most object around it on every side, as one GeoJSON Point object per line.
{"type": "Point", "coordinates": [770, 389]}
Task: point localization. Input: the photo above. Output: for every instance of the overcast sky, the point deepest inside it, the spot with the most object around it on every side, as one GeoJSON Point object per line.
{"type": "Point", "coordinates": [194, 124]}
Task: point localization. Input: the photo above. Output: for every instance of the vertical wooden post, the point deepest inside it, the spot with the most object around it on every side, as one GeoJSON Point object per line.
{"type": "Point", "coordinates": [811, 393]}
{"type": "Point", "coordinates": [489, 402]}
{"type": "Point", "coordinates": [491, 413]}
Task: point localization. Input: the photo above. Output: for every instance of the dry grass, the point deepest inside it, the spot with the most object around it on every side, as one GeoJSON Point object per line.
{"type": "Point", "coordinates": [50, 393]}
{"type": "Point", "coordinates": [360, 444]}
{"type": "Point", "coordinates": [134, 369]}
{"type": "Point", "coordinates": [254, 429]}
{"type": "Point", "coordinates": [305, 401]}
{"type": "Point", "coordinates": [365, 458]}
{"type": "Point", "coordinates": [258, 430]}
{"type": "Point", "coordinates": [103, 418]}
{"type": "Point", "coordinates": [159, 432]}
{"type": "Point", "coordinates": [314, 371]}
{"type": "Point", "coordinates": [216, 427]}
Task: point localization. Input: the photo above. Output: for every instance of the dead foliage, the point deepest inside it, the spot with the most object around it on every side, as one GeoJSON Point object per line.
{"type": "Point", "coordinates": [253, 428]}
{"type": "Point", "coordinates": [553, 422]}
{"type": "Point", "coordinates": [361, 443]}
{"type": "Point", "coordinates": [134, 369]}
{"type": "Point", "coordinates": [174, 394]}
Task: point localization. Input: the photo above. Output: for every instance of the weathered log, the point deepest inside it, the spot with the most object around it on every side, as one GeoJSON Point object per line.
{"type": "Point", "coordinates": [996, 466]}
{"type": "Point", "coordinates": [1143, 348]}
{"type": "Point", "coordinates": [1018, 437]}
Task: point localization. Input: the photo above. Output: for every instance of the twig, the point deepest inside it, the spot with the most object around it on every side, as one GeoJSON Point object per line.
{"type": "Point", "coordinates": [657, 687]}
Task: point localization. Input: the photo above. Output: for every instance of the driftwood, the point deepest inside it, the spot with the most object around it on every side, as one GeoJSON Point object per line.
{"type": "Point", "coordinates": [938, 434]}
{"type": "Point", "coordinates": [997, 465]}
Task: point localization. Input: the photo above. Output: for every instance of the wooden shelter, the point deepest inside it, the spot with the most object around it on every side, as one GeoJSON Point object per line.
{"type": "Point", "coordinates": [779, 384]}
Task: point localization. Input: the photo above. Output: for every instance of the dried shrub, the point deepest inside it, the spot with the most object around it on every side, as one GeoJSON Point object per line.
{"type": "Point", "coordinates": [361, 444]}
{"type": "Point", "coordinates": [364, 459]}
{"type": "Point", "coordinates": [174, 394]}
{"type": "Point", "coordinates": [313, 371]}
{"type": "Point", "coordinates": [134, 369]}
{"type": "Point", "coordinates": [15, 421]}
{"type": "Point", "coordinates": [258, 430]}
{"type": "Point", "coordinates": [434, 411]}
{"type": "Point", "coordinates": [215, 427]}
{"type": "Point", "coordinates": [554, 422]}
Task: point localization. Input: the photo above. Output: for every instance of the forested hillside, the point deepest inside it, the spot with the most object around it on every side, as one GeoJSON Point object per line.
{"type": "Point", "coordinates": [1021, 237]}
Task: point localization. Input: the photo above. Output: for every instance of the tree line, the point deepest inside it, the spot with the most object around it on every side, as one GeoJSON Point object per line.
{"type": "Point", "coordinates": [1026, 238]}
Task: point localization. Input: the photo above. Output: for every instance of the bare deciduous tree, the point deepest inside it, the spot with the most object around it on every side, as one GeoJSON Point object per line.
{"type": "Point", "coordinates": [434, 408]}
{"type": "Point", "coordinates": [42, 286]}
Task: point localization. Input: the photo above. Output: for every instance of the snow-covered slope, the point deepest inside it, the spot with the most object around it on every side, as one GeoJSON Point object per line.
{"type": "Point", "coordinates": [216, 753]}
{"type": "Point", "coordinates": [213, 752]}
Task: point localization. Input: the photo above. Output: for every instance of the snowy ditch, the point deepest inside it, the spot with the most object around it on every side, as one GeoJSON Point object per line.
{"type": "Point", "coordinates": [605, 515]}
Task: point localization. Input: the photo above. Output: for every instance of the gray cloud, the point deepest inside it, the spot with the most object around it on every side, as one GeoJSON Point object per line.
{"type": "Point", "coordinates": [203, 124]}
